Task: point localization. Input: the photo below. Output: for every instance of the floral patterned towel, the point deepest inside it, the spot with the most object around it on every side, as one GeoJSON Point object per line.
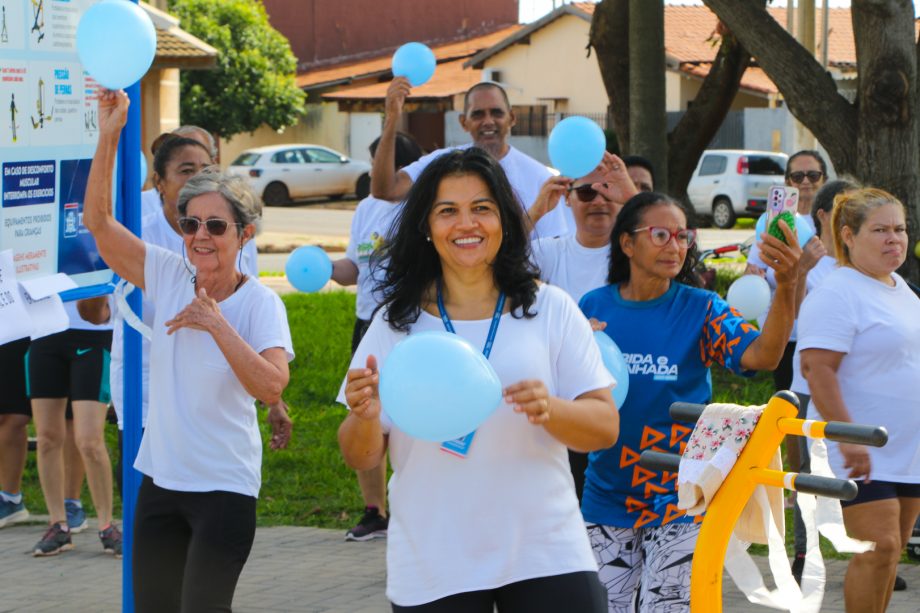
{"type": "Point", "coordinates": [712, 450]}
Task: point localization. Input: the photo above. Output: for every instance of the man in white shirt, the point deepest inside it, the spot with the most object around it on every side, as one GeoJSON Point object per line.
{"type": "Point", "coordinates": [580, 262]}
{"type": "Point", "coordinates": [488, 118]}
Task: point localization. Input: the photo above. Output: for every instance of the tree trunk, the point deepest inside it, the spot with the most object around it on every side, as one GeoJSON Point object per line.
{"type": "Point", "coordinates": [699, 125]}
{"type": "Point", "coordinates": [648, 127]}
{"type": "Point", "coordinates": [877, 139]}
{"type": "Point", "coordinates": [609, 36]}
{"type": "Point", "coordinates": [888, 141]}
{"type": "Point", "coordinates": [808, 89]}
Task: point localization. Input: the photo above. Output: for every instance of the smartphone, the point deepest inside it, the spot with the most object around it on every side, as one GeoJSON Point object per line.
{"type": "Point", "coordinates": [782, 203]}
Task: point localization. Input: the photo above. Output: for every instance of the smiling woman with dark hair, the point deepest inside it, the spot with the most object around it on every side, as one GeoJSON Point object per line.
{"type": "Point", "coordinates": [670, 333]}
{"type": "Point", "coordinates": [459, 260]}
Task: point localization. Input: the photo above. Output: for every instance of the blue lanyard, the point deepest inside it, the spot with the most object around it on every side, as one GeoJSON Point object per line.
{"type": "Point", "coordinates": [496, 319]}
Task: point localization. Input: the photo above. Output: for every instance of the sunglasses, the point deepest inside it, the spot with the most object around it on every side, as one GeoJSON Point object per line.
{"type": "Point", "coordinates": [585, 193]}
{"type": "Point", "coordinates": [813, 175]}
{"type": "Point", "coordinates": [662, 236]}
{"type": "Point", "coordinates": [214, 226]}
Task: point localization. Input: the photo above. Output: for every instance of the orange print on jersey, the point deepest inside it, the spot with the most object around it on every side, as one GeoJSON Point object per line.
{"type": "Point", "coordinates": [650, 436]}
{"type": "Point", "coordinates": [671, 513]}
{"type": "Point", "coordinates": [633, 505]}
{"type": "Point", "coordinates": [628, 457]}
{"type": "Point", "coordinates": [641, 475]}
{"type": "Point", "coordinates": [647, 517]}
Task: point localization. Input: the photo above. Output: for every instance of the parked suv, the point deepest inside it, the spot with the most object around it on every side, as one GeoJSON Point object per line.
{"type": "Point", "coordinates": [728, 184]}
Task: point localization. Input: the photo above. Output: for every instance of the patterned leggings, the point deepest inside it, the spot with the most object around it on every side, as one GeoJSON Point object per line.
{"type": "Point", "coordinates": [655, 561]}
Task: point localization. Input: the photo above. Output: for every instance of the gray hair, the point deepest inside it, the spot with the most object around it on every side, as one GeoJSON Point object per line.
{"type": "Point", "coordinates": [189, 130]}
{"type": "Point", "coordinates": [245, 206]}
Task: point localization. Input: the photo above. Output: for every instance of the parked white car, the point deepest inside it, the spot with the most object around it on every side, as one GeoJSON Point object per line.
{"type": "Point", "coordinates": [728, 184]}
{"type": "Point", "coordinates": [283, 173]}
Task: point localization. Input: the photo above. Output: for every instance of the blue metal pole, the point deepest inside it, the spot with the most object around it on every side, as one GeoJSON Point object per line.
{"type": "Point", "coordinates": [130, 195]}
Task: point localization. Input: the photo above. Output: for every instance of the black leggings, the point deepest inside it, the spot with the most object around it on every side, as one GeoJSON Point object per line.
{"type": "Point", "coordinates": [189, 548]}
{"type": "Point", "coordinates": [580, 592]}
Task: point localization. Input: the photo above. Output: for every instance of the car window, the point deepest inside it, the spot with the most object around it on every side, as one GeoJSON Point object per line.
{"type": "Point", "coordinates": [765, 165]}
{"type": "Point", "coordinates": [712, 165]}
{"type": "Point", "coordinates": [246, 159]}
{"type": "Point", "coordinates": [289, 156]}
{"type": "Point", "coordinates": [321, 156]}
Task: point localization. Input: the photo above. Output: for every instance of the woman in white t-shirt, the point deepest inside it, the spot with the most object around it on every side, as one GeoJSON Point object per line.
{"type": "Point", "coordinates": [859, 339]}
{"type": "Point", "coordinates": [220, 340]}
{"type": "Point", "coordinates": [495, 523]}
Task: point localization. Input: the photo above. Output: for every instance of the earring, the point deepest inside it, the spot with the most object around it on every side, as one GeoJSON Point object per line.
{"type": "Point", "coordinates": [428, 238]}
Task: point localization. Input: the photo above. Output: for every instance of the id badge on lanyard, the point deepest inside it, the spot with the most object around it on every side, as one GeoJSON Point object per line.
{"type": "Point", "coordinates": [460, 447]}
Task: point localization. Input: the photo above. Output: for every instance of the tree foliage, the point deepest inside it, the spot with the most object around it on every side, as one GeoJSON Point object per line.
{"type": "Point", "coordinates": [254, 80]}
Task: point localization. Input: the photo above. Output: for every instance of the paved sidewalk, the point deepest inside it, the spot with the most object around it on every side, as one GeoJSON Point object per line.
{"type": "Point", "coordinates": [290, 569]}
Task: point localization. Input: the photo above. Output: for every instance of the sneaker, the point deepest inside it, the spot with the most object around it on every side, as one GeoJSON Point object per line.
{"type": "Point", "coordinates": [111, 540]}
{"type": "Point", "coordinates": [76, 517]}
{"type": "Point", "coordinates": [12, 512]}
{"type": "Point", "coordinates": [899, 583]}
{"type": "Point", "coordinates": [54, 542]}
{"type": "Point", "coordinates": [372, 526]}
{"type": "Point", "coordinates": [798, 565]}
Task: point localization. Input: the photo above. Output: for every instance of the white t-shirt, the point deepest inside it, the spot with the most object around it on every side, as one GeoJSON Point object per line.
{"type": "Point", "coordinates": [151, 202]}
{"type": "Point", "coordinates": [370, 227]}
{"type": "Point", "coordinates": [526, 176]}
{"type": "Point", "coordinates": [202, 433]}
{"type": "Point", "coordinates": [567, 264]}
{"type": "Point", "coordinates": [754, 258]}
{"type": "Point", "coordinates": [155, 230]}
{"type": "Point", "coordinates": [507, 512]}
{"type": "Point", "coordinates": [816, 275]}
{"type": "Point", "coordinates": [878, 328]}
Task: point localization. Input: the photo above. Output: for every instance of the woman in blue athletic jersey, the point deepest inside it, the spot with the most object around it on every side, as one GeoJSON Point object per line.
{"type": "Point", "coordinates": [670, 332]}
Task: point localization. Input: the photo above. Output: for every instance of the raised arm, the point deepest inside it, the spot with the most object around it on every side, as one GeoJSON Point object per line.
{"type": "Point", "coordinates": [766, 351]}
{"type": "Point", "coordinates": [386, 182]}
{"type": "Point", "coordinates": [122, 251]}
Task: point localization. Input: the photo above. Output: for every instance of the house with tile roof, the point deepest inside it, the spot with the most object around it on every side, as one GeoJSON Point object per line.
{"type": "Point", "coordinates": [344, 62]}
{"type": "Point", "coordinates": [548, 72]}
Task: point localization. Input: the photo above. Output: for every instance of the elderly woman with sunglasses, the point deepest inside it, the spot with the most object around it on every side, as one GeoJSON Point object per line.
{"type": "Point", "coordinates": [670, 332]}
{"type": "Point", "coordinates": [220, 340]}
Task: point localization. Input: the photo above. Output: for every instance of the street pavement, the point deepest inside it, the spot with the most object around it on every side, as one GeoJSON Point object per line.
{"type": "Point", "coordinates": [290, 569]}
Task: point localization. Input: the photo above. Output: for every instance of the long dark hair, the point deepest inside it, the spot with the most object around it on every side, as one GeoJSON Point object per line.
{"type": "Point", "coordinates": [628, 220]}
{"type": "Point", "coordinates": [411, 262]}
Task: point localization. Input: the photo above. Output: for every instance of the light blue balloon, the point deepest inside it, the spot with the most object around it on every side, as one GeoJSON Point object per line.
{"type": "Point", "coordinates": [436, 386]}
{"type": "Point", "coordinates": [308, 268]}
{"type": "Point", "coordinates": [143, 168]}
{"type": "Point", "coordinates": [760, 227]}
{"type": "Point", "coordinates": [414, 61]}
{"type": "Point", "coordinates": [616, 364]}
{"type": "Point", "coordinates": [576, 146]}
{"type": "Point", "coordinates": [116, 42]}
{"type": "Point", "coordinates": [802, 228]}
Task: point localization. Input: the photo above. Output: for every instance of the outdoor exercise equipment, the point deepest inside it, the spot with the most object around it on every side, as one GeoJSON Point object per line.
{"type": "Point", "coordinates": [437, 387]}
{"type": "Point", "coordinates": [414, 61]}
{"type": "Point", "coordinates": [116, 42]}
{"type": "Point", "coordinates": [576, 146]}
{"type": "Point", "coordinates": [616, 365]}
{"type": "Point", "coordinates": [778, 419]}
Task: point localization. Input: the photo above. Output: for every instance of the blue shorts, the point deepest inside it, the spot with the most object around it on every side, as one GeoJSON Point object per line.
{"type": "Point", "coordinates": [882, 490]}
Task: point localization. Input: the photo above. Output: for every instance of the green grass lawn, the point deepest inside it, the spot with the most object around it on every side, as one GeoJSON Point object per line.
{"type": "Point", "coordinates": [308, 484]}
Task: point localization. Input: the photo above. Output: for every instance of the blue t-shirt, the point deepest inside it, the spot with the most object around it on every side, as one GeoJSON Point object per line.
{"type": "Point", "coordinates": [669, 344]}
